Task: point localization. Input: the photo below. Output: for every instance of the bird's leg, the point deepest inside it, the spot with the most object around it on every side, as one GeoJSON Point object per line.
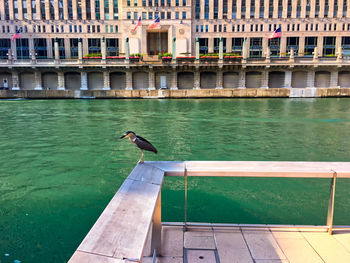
{"type": "Point", "coordinates": [141, 159]}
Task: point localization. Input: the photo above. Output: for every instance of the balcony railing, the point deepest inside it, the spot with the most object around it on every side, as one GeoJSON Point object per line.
{"type": "Point", "coordinates": [121, 232]}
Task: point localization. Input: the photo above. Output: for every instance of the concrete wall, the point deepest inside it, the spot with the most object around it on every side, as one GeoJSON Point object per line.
{"type": "Point", "coordinates": [205, 93]}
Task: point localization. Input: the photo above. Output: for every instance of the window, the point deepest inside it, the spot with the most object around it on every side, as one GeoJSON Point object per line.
{"type": "Point", "coordinates": [150, 15]}
{"type": "Point", "coordinates": [310, 44]}
{"type": "Point", "coordinates": [128, 15]}
{"type": "Point", "coordinates": [234, 9]}
{"type": "Point", "coordinates": [292, 43]}
{"type": "Point", "coordinates": [202, 28]}
{"type": "Point", "coordinates": [203, 45]}
{"type": "Point", "coordinates": [177, 2]}
{"type": "Point", "coordinates": [40, 47]}
{"type": "Point", "coordinates": [197, 28]}
{"type": "Point", "coordinates": [329, 46]}
{"type": "Point", "coordinates": [206, 9]}
{"type": "Point", "coordinates": [144, 15]}
{"type": "Point", "coordinates": [112, 45]}
{"type": "Point", "coordinates": [168, 15]}
{"type": "Point", "coordinates": [135, 2]}
{"type": "Point", "coordinates": [97, 9]}
{"type": "Point", "coordinates": [183, 15]}
{"type": "Point", "coordinates": [237, 44]}
{"type": "Point", "coordinates": [94, 45]}
{"type": "Point", "coordinates": [215, 28]}
{"type": "Point", "coordinates": [206, 28]}
{"type": "Point", "coordinates": [116, 29]}
{"type": "Point", "coordinates": [136, 16]}
{"type": "Point", "coordinates": [177, 15]}
{"type": "Point", "coordinates": [115, 10]}
{"type": "Point", "coordinates": [162, 15]}
{"type": "Point", "coordinates": [216, 6]}
{"type": "Point", "coordinates": [217, 44]}
{"type": "Point", "coordinates": [73, 47]}
{"type": "Point", "coordinates": [274, 45]}
{"type": "Point", "coordinates": [243, 8]}
{"type": "Point", "coordinates": [106, 9]}
{"type": "Point", "coordinates": [197, 9]}
{"type": "Point", "coordinates": [5, 45]}
{"type": "Point", "coordinates": [255, 47]}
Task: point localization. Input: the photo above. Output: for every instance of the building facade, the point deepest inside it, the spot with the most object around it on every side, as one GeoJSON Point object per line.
{"type": "Point", "coordinates": [57, 37]}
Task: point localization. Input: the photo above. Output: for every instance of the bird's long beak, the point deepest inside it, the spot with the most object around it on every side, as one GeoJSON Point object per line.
{"type": "Point", "coordinates": [121, 137]}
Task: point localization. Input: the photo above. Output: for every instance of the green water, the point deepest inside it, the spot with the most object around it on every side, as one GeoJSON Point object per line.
{"type": "Point", "coordinates": [61, 161]}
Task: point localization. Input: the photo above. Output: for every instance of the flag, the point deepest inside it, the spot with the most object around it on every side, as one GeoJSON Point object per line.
{"type": "Point", "coordinates": [17, 34]}
{"type": "Point", "coordinates": [137, 25]}
{"type": "Point", "coordinates": [277, 33]}
{"type": "Point", "coordinates": [155, 23]}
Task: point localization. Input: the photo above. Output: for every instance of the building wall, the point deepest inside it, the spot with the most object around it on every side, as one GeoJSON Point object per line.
{"type": "Point", "coordinates": [184, 20]}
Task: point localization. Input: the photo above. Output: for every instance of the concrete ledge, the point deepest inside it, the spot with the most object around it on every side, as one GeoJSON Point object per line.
{"type": "Point", "coordinates": [175, 94]}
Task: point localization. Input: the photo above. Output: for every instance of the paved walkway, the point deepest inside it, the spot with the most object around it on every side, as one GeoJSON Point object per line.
{"type": "Point", "coordinates": [247, 245]}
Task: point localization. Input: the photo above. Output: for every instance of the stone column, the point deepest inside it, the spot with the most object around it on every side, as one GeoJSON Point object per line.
{"type": "Point", "coordinates": [106, 80]}
{"type": "Point", "coordinates": [84, 81]}
{"type": "Point", "coordinates": [57, 51]}
{"type": "Point", "coordinates": [15, 80]}
{"type": "Point", "coordinates": [129, 80]}
{"type": "Point", "coordinates": [174, 49]}
{"type": "Point", "coordinates": [151, 80]}
{"type": "Point", "coordinates": [210, 45]}
{"type": "Point", "coordinates": [287, 79]}
{"type": "Point", "coordinates": [80, 49]}
{"type": "Point", "coordinates": [197, 49]}
{"type": "Point", "coordinates": [197, 79]}
{"type": "Point", "coordinates": [67, 47]}
{"type": "Point", "coordinates": [265, 80]}
{"type": "Point", "coordinates": [127, 50]}
{"type": "Point", "coordinates": [221, 49]}
{"type": "Point", "coordinates": [37, 77]}
{"type": "Point", "coordinates": [229, 44]}
{"type": "Point", "coordinates": [60, 81]}
{"type": "Point", "coordinates": [301, 46]}
{"type": "Point", "coordinates": [241, 79]}
{"type": "Point", "coordinates": [174, 79]}
{"type": "Point", "coordinates": [334, 79]}
{"type": "Point", "coordinates": [283, 46]}
{"type": "Point", "coordinates": [315, 53]}
{"type": "Point", "coordinates": [49, 49]}
{"type": "Point", "coordinates": [310, 79]}
{"type": "Point", "coordinates": [85, 46]}
{"type": "Point", "coordinates": [219, 79]}
{"type": "Point", "coordinates": [14, 49]}
{"type": "Point", "coordinates": [103, 49]}
{"type": "Point", "coordinates": [320, 45]}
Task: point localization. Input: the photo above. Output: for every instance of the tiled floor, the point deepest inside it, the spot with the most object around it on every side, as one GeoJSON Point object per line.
{"type": "Point", "coordinates": [264, 245]}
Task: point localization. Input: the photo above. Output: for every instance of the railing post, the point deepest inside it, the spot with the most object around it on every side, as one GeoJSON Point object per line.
{"type": "Point", "coordinates": [185, 197]}
{"type": "Point", "coordinates": [331, 204]}
{"type": "Point", "coordinates": [157, 227]}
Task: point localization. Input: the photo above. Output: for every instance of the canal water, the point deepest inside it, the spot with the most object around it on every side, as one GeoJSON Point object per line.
{"type": "Point", "coordinates": [62, 161]}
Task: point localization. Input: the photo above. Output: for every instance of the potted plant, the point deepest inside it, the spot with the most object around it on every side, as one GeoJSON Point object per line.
{"type": "Point", "coordinates": [93, 55]}
{"type": "Point", "coordinates": [135, 57]}
{"type": "Point", "coordinates": [232, 57]}
{"type": "Point", "coordinates": [210, 57]}
{"type": "Point", "coordinates": [166, 57]}
{"type": "Point", "coordinates": [185, 57]}
{"type": "Point", "coordinates": [121, 56]}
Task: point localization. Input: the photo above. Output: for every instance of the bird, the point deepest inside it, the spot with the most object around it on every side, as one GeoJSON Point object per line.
{"type": "Point", "coordinates": [140, 142]}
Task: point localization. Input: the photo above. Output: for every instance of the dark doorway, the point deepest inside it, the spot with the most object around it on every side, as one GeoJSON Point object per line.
{"type": "Point", "coordinates": [157, 42]}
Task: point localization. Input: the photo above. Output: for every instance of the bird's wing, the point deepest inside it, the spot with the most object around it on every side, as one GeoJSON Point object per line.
{"type": "Point", "coordinates": [144, 144]}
